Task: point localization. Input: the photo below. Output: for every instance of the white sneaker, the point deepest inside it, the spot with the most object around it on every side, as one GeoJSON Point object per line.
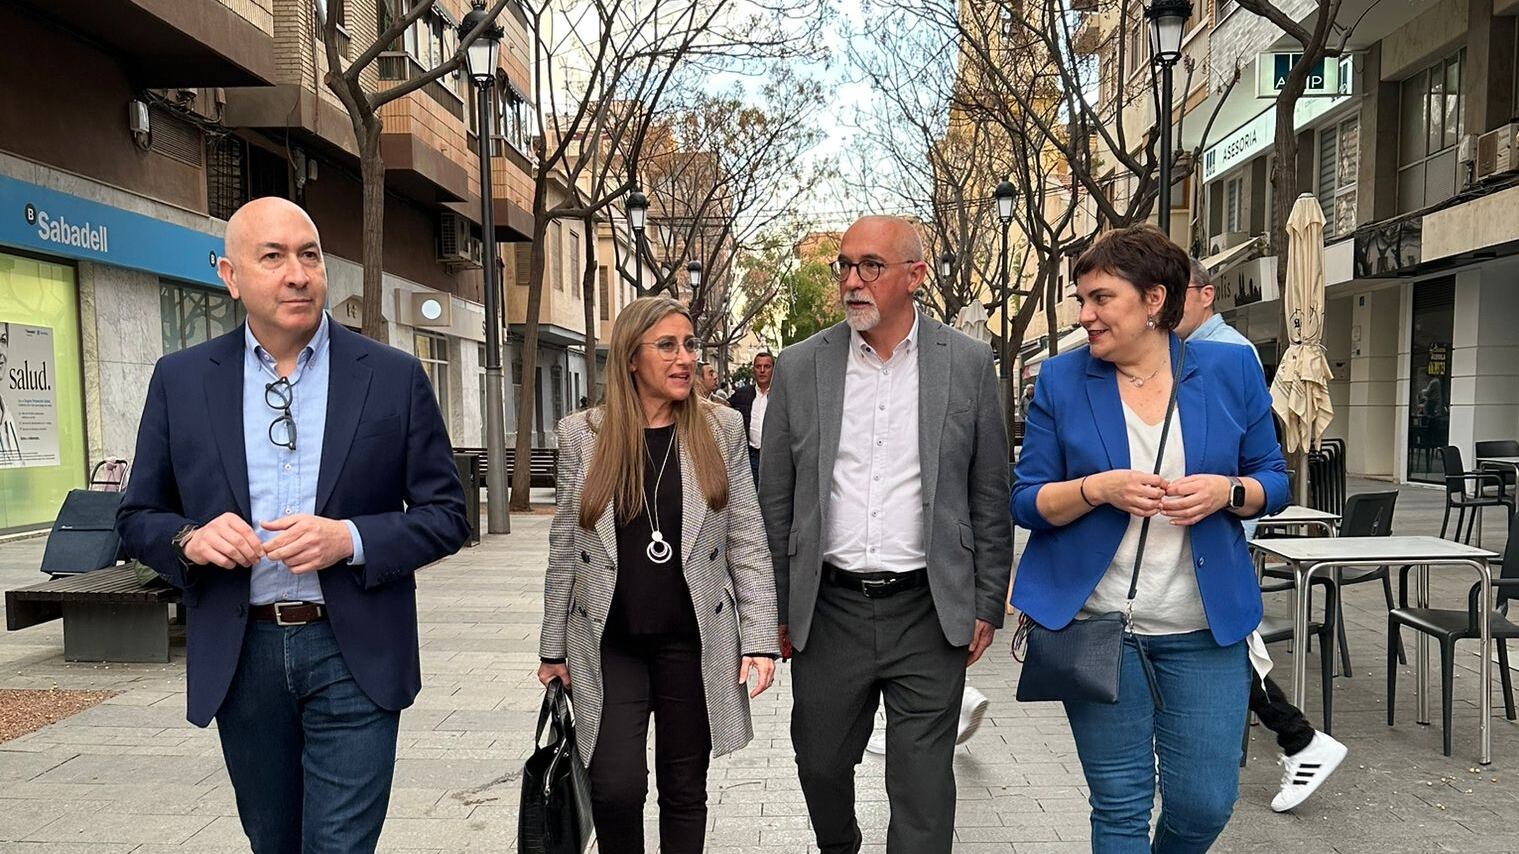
{"type": "Point", "coordinates": [972, 710]}
{"type": "Point", "coordinates": [877, 743]}
{"type": "Point", "coordinates": [1306, 770]}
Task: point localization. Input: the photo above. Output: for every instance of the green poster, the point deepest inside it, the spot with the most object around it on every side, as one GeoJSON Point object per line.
{"type": "Point", "coordinates": [42, 452]}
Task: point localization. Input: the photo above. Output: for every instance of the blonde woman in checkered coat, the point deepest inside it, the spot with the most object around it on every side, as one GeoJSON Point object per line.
{"type": "Point", "coordinates": [660, 596]}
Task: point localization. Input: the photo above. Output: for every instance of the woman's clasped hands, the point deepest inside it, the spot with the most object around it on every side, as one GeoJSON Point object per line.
{"type": "Point", "coordinates": [1184, 501]}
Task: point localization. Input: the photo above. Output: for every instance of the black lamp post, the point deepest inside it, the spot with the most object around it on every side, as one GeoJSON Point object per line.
{"type": "Point", "coordinates": [638, 212]}
{"type": "Point", "coordinates": [946, 265]}
{"type": "Point", "coordinates": [1168, 18]}
{"type": "Point", "coordinates": [482, 59]}
{"type": "Point", "coordinates": [1005, 194]}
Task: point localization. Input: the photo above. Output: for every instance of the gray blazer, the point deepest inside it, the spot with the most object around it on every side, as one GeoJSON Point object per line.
{"type": "Point", "coordinates": [724, 561]}
{"type": "Point", "coordinates": [962, 443]}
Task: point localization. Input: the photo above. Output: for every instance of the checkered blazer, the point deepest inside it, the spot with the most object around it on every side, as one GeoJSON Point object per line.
{"type": "Point", "coordinates": [725, 561]}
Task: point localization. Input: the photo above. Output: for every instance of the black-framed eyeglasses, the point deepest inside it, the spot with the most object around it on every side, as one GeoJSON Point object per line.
{"type": "Point", "coordinates": [278, 395]}
{"type": "Point", "coordinates": [868, 270]}
{"type": "Point", "coordinates": [669, 348]}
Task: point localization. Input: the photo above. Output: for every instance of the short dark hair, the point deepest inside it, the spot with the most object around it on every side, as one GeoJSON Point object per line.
{"type": "Point", "coordinates": [763, 353]}
{"type": "Point", "coordinates": [1145, 258]}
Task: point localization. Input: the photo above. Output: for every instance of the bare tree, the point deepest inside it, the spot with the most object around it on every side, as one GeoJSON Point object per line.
{"type": "Point", "coordinates": [602, 69]}
{"type": "Point", "coordinates": [351, 82]}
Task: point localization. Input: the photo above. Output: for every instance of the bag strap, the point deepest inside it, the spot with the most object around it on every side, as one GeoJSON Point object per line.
{"type": "Point", "coordinates": [1160, 454]}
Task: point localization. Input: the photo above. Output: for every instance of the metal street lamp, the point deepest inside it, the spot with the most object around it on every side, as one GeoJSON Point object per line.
{"type": "Point", "coordinates": [946, 265]}
{"type": "Point", "coordinates": [1005, 194]}
{"type": "Point", "coordinates": [1168, 18]}
{"type": "Point", "coordinates": [481, 56]}
{"type": "Point", "coordinates": [638, 212]}
{"type": "Point", "coordinates": [693, 275]}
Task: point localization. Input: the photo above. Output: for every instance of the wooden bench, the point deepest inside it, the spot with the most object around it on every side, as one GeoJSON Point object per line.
{"type": "Point", "coordinates": [544, 463]}
{"type": "Point", "coordinates": [107, 615]}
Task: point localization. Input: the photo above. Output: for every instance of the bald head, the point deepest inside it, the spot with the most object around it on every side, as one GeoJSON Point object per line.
{"type": "Point", "coordinates": [891, 232]}
{"type": "Point", "coordinates": [257, 217]}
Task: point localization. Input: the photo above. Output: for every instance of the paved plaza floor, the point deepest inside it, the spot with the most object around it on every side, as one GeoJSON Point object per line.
{"type": "Point", "coordinates": [131, 775]}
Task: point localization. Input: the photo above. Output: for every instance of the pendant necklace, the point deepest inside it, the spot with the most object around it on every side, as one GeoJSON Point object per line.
{"type": "Point", "coordinates": [658, 551]}
{"type": "Point", "coordinates": [1138, 382]}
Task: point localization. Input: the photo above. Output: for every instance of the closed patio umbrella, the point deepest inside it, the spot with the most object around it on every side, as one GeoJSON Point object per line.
{"type": "Point", "coordinates": [1300, 392]}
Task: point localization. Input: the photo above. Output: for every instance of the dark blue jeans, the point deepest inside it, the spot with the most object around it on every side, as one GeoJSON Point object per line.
{"type": "Point", "coordinates": [310, 755]}
{"type": "Point", "coordinates": [1193, 729]}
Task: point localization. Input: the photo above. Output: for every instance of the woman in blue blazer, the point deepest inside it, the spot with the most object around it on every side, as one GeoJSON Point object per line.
{"type": "Point", "coordinates": [1084, 484]}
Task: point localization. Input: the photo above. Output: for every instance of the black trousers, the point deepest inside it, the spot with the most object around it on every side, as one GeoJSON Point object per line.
{"type": "Point", "coordinates": [859, 652]}
{"type": "Point", "coordinates": [1293, 732]}
{"type": "Point", "coordinates": [658, 674]}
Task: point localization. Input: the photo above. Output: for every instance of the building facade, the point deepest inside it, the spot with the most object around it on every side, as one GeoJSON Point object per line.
{"type": "Point", "coordinates": [159, 119]}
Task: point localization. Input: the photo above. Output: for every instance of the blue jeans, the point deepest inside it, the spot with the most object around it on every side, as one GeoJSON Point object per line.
{"type": "Point", "coordinates": [310, 755]}
{"type": "Point", "coordinates": [1194, 728]}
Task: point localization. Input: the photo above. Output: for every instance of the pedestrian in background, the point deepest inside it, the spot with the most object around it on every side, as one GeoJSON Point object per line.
{"type": "Point", "coordinates": [659, 597]}
{"type": "Point", "coordinates": [751, 401]}
{"type": "Point", "coordinates": [1308, 756]}
{"type": "Point", "coordinates": [1084, 486]}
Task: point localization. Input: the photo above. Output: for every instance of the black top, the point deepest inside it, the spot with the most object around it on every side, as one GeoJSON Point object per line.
{"type": "Point", "coordinates": [652, 598]}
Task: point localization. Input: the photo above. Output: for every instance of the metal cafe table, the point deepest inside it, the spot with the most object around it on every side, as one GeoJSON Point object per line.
{"type": "Point", "coordinates": [1311, 557]}
{"type": "Point", "coordinates": [1499, 462]}
{"type": "Point", "coordinates": [1299, 518]}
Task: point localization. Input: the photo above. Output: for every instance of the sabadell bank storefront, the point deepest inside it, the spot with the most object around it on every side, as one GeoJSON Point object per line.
{"type": "Point", "coordinates": [95, 285]}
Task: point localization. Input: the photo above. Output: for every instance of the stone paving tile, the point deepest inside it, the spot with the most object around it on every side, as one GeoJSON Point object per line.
{"type": "Point", "coordinates": [131, 775]}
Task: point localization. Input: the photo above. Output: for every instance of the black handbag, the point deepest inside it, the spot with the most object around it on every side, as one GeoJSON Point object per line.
{"type": "Point", "coordinates": [1081, 662]}
{"type": "Point", "coordinates": [555, 815]}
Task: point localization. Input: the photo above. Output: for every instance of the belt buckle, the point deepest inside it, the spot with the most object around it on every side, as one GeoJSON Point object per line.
{"type": "Point", "coordinates": [279, 615]}
{"type": "Point", "coordinates": [881, 585]}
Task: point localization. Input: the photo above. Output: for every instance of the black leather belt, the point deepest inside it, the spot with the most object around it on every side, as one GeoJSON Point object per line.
{"type": "Point", "coordinates": [289, 613]}
{"type": "Point", "coordinates": [876, 585]}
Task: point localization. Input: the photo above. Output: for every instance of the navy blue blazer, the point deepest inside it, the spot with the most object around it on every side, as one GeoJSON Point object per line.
{"type": "Point", "coordinates": [1075, 427]}
{"type": "Point", "coordinates": [387, 465]}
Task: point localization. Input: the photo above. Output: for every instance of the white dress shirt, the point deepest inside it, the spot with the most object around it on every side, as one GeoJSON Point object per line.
{"type": "Point", "coordinates": [757, 416]}
{"type": "Point", "coordinates": [875, 514]}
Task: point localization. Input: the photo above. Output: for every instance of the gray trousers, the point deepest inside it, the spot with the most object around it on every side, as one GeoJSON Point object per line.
{"type": "Point", "coordinates": [860, 651]}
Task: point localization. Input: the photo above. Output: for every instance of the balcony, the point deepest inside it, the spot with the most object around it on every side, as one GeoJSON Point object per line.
{"type": "Point", "coordinates": [173, 43]}
{"type": "Point", "coordinates": [426, 155]}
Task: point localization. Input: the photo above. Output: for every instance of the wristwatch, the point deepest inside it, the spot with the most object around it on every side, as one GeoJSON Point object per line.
{"type": "Point", "coordinates": [178, 543]}
{"type": "Point", "coordinates": [1236, 493]}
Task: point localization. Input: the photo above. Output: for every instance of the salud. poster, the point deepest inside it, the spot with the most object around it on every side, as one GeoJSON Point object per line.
{"type": "Point", "coordinates": [28, 400]}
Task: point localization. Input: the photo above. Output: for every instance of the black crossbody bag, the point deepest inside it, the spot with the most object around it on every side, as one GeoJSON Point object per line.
{"type": "Point", "coordinates": [1081, 662]}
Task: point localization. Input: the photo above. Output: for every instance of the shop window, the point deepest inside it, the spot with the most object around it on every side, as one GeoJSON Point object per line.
{"type": "Point", "coordinates": [1234, 192]}
{"type": "Point", "coordinates": [1431, 123]}
{"type": "Point", "coordinates": [192, 315]}
{"type": "Point", "coordinates": [432, 350]}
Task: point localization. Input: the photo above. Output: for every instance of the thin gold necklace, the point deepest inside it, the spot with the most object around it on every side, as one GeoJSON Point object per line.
{"type": "Point", "coordinates": [1137, 381]}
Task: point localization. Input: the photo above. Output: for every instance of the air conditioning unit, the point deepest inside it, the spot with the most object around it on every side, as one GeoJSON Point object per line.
{"type": "Point", "coordinates": [458, 249]}
{"type": "Point", "coordinates": [1495, 152]}
{"type": "Point", "coordinates": [1227, 241]}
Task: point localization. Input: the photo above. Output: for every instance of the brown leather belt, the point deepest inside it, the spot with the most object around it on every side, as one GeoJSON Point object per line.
{"type": "Point", "coordinates": [875, 585]}
{"type": "Point", "coordinates": [288, 613]}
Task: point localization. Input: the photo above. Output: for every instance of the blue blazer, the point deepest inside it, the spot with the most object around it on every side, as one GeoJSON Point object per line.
{"type": "Point", "coordinates": [1075, 427]}
{"type": "Point", "coordinates": [386, 464]}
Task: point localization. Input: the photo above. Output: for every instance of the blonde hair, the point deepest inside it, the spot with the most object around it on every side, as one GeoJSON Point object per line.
{"type": "Point", "coordinates": [616, 470]}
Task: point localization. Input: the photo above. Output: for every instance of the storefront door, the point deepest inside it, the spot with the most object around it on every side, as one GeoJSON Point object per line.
{"type": "Point", "coordinates": [1429, 380]}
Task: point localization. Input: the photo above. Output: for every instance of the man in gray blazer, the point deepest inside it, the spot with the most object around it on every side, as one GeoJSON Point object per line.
{"type": "Point", "coordinates": [884, 487]}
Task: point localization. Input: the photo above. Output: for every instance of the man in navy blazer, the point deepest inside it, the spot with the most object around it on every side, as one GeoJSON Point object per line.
{"type": "Point", "coordinates": [290, 478]}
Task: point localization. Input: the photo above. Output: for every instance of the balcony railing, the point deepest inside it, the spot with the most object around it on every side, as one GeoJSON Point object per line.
{"type": "Point", "coordinates": [397, 67]}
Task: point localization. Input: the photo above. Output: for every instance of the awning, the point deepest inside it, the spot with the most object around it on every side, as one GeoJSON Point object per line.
{"type": "Point", "coordinates": [1234, 256]}
{"type": "Point", "coordinates": [1068, 342]}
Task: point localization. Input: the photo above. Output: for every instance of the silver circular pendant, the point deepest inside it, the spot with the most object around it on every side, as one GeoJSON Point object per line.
{"type": "Point", "coordinates": [658, 550]}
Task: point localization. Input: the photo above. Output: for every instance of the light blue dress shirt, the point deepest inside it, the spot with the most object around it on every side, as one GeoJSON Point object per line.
{"type": "Point", "coordinates": [1215, 329]}
{"type": "Point", "coordinates": [281, 481]}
